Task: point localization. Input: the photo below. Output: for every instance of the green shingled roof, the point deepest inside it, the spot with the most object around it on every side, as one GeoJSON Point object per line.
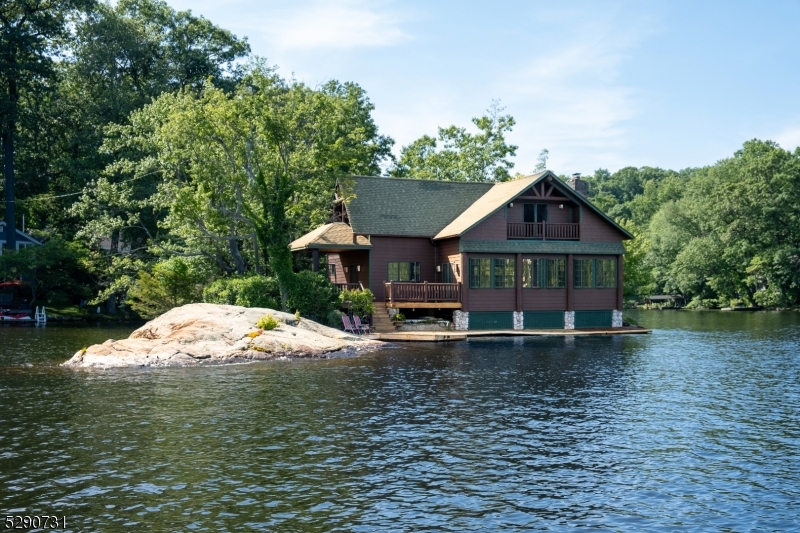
{"type": "Point", "coordinates": [408, 207]}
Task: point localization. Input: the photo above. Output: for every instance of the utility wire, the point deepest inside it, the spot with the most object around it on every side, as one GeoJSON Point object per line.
{"type": "Point", "coordinates": [79, 192]}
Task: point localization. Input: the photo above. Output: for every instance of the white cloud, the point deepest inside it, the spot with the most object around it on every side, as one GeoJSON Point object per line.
{"type": "Point", "coordinates": [335, 24]}
{"type": "Point", "coordinates": [569, 99]}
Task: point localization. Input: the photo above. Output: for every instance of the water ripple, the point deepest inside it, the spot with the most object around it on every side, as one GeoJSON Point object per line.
{"type": "Point", "coordinates": [692, 428]}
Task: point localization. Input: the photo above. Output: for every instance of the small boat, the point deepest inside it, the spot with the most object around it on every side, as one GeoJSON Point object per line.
{"type": "Point", "coordinates": [15, 301]}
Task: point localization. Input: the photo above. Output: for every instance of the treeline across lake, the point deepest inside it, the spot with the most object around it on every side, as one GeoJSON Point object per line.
{"type": "Point", "coordinates": [161, 163]}
{"type": "Point", "coordinates": [725, 234]}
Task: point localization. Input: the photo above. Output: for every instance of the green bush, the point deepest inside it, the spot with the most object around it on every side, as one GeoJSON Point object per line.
{"type": "Point", "coordinates": [358, 301]}
{"type": "Point", "coordinates": [312, 295]}
{"type": "Point", "coordinates": [268, 323]}
{"type": "Point", "coordinates": [399, 317]}
{"type": "Point", "coordinates": [172, 283]}
{"type": "Point", "coordinates": [251, 291]}
{"type": "Point", "coordinates": [335, 319]}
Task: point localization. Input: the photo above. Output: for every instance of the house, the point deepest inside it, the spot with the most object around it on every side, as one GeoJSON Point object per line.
{"type": "Point", "coordinates": [523, 254]}
{"type": "Point", "coordinates": [23, 239]}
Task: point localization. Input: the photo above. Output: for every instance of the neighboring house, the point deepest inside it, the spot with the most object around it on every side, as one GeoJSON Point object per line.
{"type": "Point", "coordinates": [23, 239]}
{"type": "Point", "coordinates": [523, 254]}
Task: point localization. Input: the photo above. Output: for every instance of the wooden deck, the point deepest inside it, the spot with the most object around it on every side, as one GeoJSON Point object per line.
{"type": "Point", "coordinates": [446, 336]}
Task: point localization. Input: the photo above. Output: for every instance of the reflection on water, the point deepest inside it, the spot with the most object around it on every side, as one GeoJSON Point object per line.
{"type": "Point", "coordinates": [692, 427]}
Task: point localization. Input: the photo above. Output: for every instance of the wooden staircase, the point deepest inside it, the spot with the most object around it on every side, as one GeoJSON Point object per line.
{"type": "Point", "coordinates": [381, 323]}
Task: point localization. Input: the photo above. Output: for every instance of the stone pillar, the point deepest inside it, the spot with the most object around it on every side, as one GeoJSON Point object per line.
{"type": "Point", "coordinates": [616, 319]}
{"type": "Point", "coordinates": [518, 278]}
{"type": "Point", "coordinates": [519, 320]}
{"type": "Point", "coordinates": [569, 320]}
{"type": "Point", "coordinates": [461, 320]}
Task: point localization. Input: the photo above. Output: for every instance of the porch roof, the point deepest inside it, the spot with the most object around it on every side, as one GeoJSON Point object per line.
{"type": "Point", "coordinates": [331, 237]}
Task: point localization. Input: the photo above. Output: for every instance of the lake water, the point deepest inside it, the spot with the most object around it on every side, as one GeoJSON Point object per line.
{"type": "Point", "coordinates": [694, 427]}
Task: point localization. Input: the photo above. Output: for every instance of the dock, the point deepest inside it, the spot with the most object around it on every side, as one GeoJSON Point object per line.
{"type": "Point", "coordinates": [450, 336]}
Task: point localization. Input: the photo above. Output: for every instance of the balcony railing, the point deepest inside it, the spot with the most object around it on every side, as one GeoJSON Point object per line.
{"type": "Point", "coordinates": [348, 287]}
{"type": "Point", "coordinates": [422, 292]}
{"type": "Point", "coordinates": [544, 231]}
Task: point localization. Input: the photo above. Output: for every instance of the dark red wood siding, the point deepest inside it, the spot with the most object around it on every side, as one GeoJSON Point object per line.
{"type": "Point", "coordinates": [595, 228]}
{"type": "Point", "coordinates": [412, 249]}
{"type": "Point", "coordinates": [488, 299]}
{"type": "Point", "coordinates": [353, 259]}
{"type": "Point", "coordinates": [448, 253]}
{"type": "Point", "coordinates": [595, 299]}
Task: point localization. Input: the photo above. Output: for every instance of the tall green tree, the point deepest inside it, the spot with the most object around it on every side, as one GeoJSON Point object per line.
{"type": "Point", "coordinates": [30, 31]}
{"type": "Point", "coordinates": [458, 155]}
{"type": "Point", "coordinates": [249, 169]}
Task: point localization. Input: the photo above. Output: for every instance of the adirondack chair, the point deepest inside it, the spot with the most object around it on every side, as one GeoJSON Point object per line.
{"type": "Point", "coordinates": [348, 326]}
{"type": "Point", "coordinates": [363, 328]}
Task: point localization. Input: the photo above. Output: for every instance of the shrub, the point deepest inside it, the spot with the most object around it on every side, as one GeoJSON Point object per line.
{"type": "Point", "coordinates": [360, 302]}
{"type": "Point", "coordinates": [335, 319]}
{"type": "Point", "coordinates": [268, 323]}
{"type": "Point", "coordinates": [399, 317]}
{"type": "Point", "coordinates": [251, 291]}
{"type": "Point", "coordinates": [312, 295]}
{"type": "Point", "coordinates": [172, 283]}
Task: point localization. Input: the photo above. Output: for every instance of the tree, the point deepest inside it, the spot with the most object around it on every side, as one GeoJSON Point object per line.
{"type": "Point", "coordinates": [249, 169]}
{"type": "Point", "coordinates": [172, 283]}
{"type": "Point", "coordinates": [541, 164]}
{"type": "Point", "coordinates": [30, 29]}
{"type": "Point", "coordinates": [463, 156]}
{"type": "Point", "coordinates": [54, 267]}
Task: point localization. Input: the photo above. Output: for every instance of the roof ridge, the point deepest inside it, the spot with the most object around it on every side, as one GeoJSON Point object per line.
{"type": "Point", "coordinates": [433, 181]}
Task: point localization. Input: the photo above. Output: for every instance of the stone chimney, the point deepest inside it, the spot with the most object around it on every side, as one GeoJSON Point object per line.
{"type": "Point", "coordinates": [580, 186]}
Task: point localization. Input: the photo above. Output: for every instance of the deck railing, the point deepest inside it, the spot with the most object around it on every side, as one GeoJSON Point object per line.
{"type": "Point", "coordinates": [544, 231]}
{"type": "Point", "coordinates": [348, 287]}
{"type": "Point", "coordinates": [397, 291]}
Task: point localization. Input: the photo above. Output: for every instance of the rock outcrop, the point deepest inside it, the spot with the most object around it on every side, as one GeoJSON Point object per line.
{"type": "Point", "coordinates": [208, 334]}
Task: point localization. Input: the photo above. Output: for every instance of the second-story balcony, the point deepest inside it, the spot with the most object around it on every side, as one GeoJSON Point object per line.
{"type": "Point", "coordinates": [544, 231]}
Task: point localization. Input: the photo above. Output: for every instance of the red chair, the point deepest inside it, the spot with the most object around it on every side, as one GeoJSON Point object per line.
{"type": "Point", "coordinates": [348, 326]}
{"type": "Point", "coordinates": [363, 328]}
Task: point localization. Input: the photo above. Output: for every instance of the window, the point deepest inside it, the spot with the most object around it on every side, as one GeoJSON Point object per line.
{"type": "Point", "coordinates": [555, 273]}
{"type": "Point", "coordinates": [583, 273]}
{"type": "Point", "coordinates": [606, 273]}
{"type": "Point", "coordinates": [480, 273]}
{"type": "Point", "coordinates": [448, 276]}
{"type": "Point", "coordinates": [534, 212]}
{"type": "Point", "coordinates": [531, 277]}
{"type": "Point", "coordinates": [331, 271]}
{"type": "Point", "coordinates": [600, 273]}
{"type": "Point", "coordinates": [403, 271]}
{"type": "Point", "coordinates": [504, 274]}
{"type": "Point", "coordinates": [486, 273]}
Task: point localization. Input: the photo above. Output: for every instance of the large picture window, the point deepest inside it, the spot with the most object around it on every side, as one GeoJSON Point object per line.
{"type": "Point", "coordinates": [583, 270]}
{"type": "Point", "coordinates": [403, 271]}
{"type": "Point", "coordinates": [600, 273]}
{"type": "Point", "coordinates": [480, 273]}
{"type": "Point", "coordinates": [606, 273]}
{"type": "Point", "coordinates": [504, 274]}
{"type": "Point", "coordinates": [531, 273]}
{"type": "Point", "coordinates": [555, 273]}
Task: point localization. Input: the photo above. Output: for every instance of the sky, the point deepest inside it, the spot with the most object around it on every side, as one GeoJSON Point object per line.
{"type": "Point", "coordinates": [599, 84]}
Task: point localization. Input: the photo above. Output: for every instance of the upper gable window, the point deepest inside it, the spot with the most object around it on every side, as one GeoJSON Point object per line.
{"type": "Point", "coordinates": [534, 212]}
